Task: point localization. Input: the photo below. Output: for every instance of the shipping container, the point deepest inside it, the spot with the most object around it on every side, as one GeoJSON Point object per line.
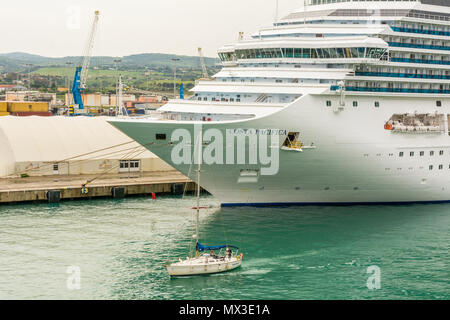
{"type": "Point", "coordinates": [25, 106]}
{"type": "Point", "coordinates": [3, 106]}
{"type": "Point", "coordinates": [4, 113]}
{"type": "Point", "coordinates": [93, 110]}
{"type": "Point", "coordinates": [147, 99]}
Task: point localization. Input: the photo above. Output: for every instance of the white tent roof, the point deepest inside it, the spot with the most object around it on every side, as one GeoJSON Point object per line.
{"type": "Point", "coordinates": [51, 139]}
{"type": "Point", "coordinates": [6, 154]}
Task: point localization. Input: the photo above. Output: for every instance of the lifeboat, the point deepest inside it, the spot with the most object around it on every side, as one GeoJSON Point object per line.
{"type": "Point", "coordinates": [388, 126]}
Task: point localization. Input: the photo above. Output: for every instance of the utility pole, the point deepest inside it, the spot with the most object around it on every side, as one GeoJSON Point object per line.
{"type": "Point", "coordinates": [119, 98]}
{"type": "Point", "coordinates": [29, 81]}
{"type": "Point", "coordinates": [68, 63]}
{"type": "Point", "coordinates": [148, 74]}
{"type": "Point", "coordinates": [116, 62]}
{"type": "Point", "coordinates": [175, 77]}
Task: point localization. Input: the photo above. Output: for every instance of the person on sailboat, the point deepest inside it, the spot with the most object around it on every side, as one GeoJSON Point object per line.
{"type": "Point", "coordinates": [213, 254]}
{"type": "Point", "coordinates": [228, 253]}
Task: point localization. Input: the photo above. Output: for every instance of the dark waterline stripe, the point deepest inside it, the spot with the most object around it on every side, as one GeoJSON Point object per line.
{"type": "Point", "coordinates": [337, 204]}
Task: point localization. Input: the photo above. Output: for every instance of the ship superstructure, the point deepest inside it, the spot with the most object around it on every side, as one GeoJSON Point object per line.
{"type": "Point", "coordinates": [356, 92]}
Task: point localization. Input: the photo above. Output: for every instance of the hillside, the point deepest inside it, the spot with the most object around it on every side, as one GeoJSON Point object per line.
{"type": "Point", "coordinates": [149, 71]}
{"type": "Point", "coordinates": [17, 61]}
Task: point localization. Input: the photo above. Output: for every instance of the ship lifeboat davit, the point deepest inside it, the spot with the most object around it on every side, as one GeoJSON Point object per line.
{"type": "Point", "coordinates": [388, 126]}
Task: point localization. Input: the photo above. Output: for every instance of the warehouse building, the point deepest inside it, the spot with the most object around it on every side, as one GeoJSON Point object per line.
{"type": "Point", "coordinates": [8, 87]}
{"type": "Point", "coordinates": [31, 96]}
{"type": "Point", "coordinates": [100, 100]}
{"type": "Point", "coordinates": [43, 146]}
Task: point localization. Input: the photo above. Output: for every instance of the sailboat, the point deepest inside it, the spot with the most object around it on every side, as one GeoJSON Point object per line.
{"type": "Point", "coordinates": [205, 260]}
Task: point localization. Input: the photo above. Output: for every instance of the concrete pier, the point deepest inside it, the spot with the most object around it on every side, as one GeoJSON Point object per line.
{"type": "Point", "coordinates": [59, 188]}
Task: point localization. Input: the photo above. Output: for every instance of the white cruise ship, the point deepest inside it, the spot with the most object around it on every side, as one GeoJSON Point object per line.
{"type": "Point", "coordinates": [339, 102]}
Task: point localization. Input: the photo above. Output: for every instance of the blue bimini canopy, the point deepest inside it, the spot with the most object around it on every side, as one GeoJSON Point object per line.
{"type": "Point", "coordinates": [202, 248]}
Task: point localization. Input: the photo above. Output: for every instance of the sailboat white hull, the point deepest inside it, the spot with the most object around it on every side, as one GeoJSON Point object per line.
{"type": "Point", "coordinates": [194, 267]}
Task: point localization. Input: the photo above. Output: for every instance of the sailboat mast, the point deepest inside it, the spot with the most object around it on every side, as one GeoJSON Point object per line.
{"type": "Point", "coordinates": [199, 159]}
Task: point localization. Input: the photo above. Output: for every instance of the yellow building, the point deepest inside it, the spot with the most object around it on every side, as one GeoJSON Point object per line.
{"type": "Point", "coordinates": [3, 109]}
{"type": "Point", "coordinates": [27, 106]}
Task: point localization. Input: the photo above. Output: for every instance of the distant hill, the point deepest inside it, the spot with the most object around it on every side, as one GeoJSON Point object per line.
{"type": "Point", "coordinates": [17, 61]}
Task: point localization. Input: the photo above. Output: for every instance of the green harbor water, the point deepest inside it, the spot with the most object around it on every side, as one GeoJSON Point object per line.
{"type": "Point", "coordinates": [120, 248]}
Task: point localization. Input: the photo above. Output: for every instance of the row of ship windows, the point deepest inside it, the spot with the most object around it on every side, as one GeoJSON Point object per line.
{"type": "Point", "coordinates": [418, 46]}
{"type": "Point", "coordinates": [242, 80]}
{"type": "Point", "coordinates": [412, 154]}
{"type": "Point", "coordinates": [415, 56]}
{"type": "Point", "coordinates": [405, 75]}
{"type": "Point", "coordinates": [398, 85]}
{"type": "Point", "coordinates": [439, 30]}
{"type": "Point", "coordinates": [394, 57]}
{"type": "Point", "coordinates": [389, 12]}
{"type": "Point", "coordinates": [399, 72]}
{"type": "Point", "coordinates": [409, 88]}
{"type": "Point", "coordinates": [425, 28]}
{"type": "Point", "coordinates": [405, 58]}
{"type": "Point", "coordinates": [413, 42]}
{"type": "Point", "coordinates": [355, 104]}
{"type": "Point", "coordinates": [371, 84]}
{"type": "Point", "coordinates": [421, 153]}
{"type": "Point", "coordinates": [421, 61]}
{"type": "Point", "coordinates": [430, 167]}
{"type": "Point", "coordinates": [306, 53]}
{"type": "Point", "coordinates": [376, 103]}
{"type": "Point", "coordinates": [266, 80]}
{"type": "Point", "coordinates": [397, 90]}
{"type": "Point", "coordinates": [315, 2]}
{"type": "Point", "coordinates": [219, 99]}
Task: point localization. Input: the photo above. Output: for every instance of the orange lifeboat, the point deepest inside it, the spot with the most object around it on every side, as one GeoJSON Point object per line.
{"type": "Point", "coordinates": [388, 126]}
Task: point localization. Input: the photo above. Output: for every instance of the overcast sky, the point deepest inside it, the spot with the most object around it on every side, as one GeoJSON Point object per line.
{"type": "Point", "coordinates": [52, 28]}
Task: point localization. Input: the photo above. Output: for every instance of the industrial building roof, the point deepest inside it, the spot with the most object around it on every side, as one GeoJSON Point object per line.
{"type": "Point", "coordinates": [53, 139]}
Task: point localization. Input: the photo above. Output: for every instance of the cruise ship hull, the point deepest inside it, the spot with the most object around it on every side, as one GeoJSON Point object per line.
{"type": "Point", "coordinates": [350, 158]}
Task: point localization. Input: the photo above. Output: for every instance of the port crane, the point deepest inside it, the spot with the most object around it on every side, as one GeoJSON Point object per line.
{"type": "Point", "coordinates": [202, 62]}
{"type": "Point", "coordinates": [81, 72]}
